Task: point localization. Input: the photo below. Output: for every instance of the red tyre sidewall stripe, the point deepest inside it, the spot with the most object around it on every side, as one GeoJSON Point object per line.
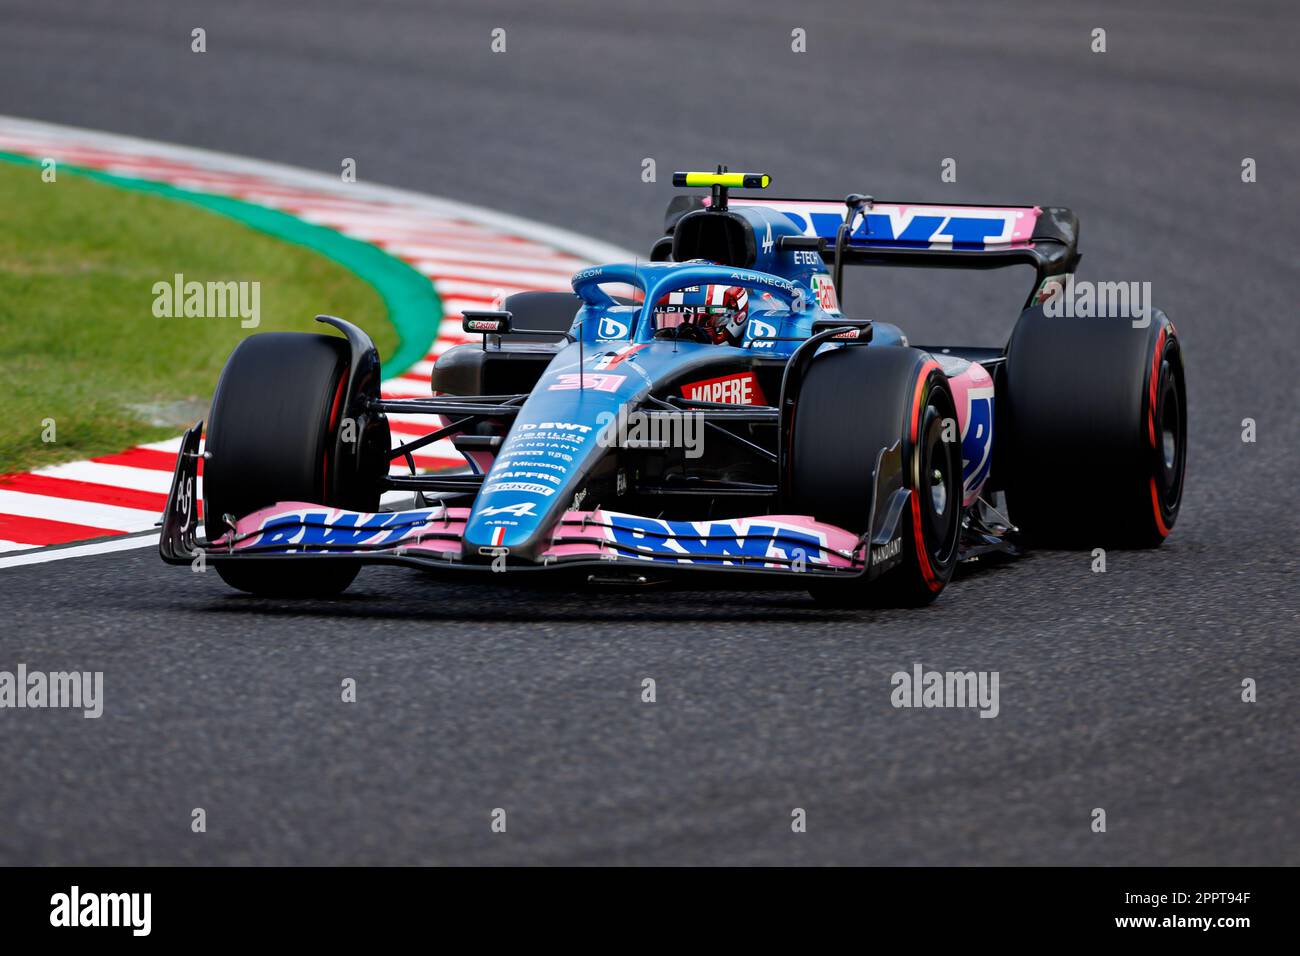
{"type": "Point", "coordinates": [329, 433]}
{"type": "Point", "coordinates": [1161, 527]}
{"type": "Point", "coordinates": [1155, 507]}
{"type": "Point", "coordinates": [1155, 380]}
{"type": "Point", "coordinates": [922, 553]}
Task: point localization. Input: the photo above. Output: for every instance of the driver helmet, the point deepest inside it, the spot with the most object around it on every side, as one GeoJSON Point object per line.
{"type": "Point", "coordinates": [715, 313]}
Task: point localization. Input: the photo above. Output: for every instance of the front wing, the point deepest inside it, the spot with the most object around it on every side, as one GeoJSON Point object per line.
{"type": "Point", "coordinates": [431, 537]}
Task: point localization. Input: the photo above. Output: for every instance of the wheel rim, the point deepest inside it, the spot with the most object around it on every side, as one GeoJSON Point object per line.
{"type": "Point", "coordinates": [1170, 435]}
{"type": "Point", "coordinates": [1170, 429]}
{"type": "Point", "coordinates": [939, 486]}
{"type": "Point", "coordinates": [938, 491]}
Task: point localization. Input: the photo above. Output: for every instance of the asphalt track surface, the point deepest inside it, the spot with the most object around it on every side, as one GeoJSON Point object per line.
{"type": "Point", "coordinates": [1118, 690]}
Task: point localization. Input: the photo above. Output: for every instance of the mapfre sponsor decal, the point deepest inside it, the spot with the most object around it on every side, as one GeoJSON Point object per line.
{"type": "Point", "coordinates": [739, 389]}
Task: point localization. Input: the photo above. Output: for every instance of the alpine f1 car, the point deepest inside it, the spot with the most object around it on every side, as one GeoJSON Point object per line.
{"type": "Point", "coordinates": [713, 410]}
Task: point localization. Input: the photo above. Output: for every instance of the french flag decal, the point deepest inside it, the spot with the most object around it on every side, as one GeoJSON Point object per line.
{"type": "Point", "coordinates": [498, 535]}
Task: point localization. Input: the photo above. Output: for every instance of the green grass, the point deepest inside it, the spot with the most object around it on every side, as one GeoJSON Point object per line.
{"type": "Point", "coordinates": [79, 342]}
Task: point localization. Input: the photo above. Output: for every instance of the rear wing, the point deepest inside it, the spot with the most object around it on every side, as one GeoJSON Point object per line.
{"type": "Point", "coordinates": [863, 231]}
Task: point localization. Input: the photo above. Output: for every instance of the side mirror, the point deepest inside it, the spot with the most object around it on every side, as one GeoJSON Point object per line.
{"type": "Point", "coordinates": [486, 322]}
{"type": "Point", "coordinates": [856, 330]}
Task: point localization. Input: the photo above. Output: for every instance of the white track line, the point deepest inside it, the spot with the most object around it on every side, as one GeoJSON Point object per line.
{"type": "Point", "coordinates": [42, 555]}
{"type": "Point", "coordinates": [89, 513]}
{"type": "Point", "coordinates": [119, 476]}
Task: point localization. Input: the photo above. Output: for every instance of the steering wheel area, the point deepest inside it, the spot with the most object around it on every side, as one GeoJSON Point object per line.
{"type": "Point", "coordinates": [685, 332]}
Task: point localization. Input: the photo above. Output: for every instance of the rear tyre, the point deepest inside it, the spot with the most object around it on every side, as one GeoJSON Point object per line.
{"type": "Point", "coordinates": [1096, 430]}
{"type": "Point", "coordinates": [854, 402]}
{"type": "Point", "coordinates": [271, 437]}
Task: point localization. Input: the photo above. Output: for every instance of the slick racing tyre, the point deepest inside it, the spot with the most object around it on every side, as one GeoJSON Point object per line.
{"type": "Point", "coordinates": [1095, 437]}
{"type": "Point", "coordinates": [853, 402]}
{"type": "Point", "coordinates": [271, 436]}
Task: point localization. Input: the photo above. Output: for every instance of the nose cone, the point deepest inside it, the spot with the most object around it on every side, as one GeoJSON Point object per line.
{"type": "Point", "coordinates": [499, 534]}
{"type": "Point", "coordinates": [529, 487]}
{"type": "Point", "coordinates": [562, 432]}
{"type": "Point", "coordinates": [554, 443]}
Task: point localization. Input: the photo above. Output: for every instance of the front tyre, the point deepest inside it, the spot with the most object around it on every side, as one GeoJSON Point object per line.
{"type": "Point", "coordinates": [853, 402]}
{"type": "Point", "coordinates": [271, 437]}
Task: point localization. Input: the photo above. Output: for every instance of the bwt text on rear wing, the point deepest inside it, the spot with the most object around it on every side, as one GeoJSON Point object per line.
{"type": "Point", "coordinates": [860, 230]}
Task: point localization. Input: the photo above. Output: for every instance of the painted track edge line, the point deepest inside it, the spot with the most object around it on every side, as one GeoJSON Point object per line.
{"type": "Point", "coordinates": [143, 539]}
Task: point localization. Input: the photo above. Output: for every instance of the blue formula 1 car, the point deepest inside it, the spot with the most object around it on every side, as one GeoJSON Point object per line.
{"type": "Point", "coordinates": [711, 411]}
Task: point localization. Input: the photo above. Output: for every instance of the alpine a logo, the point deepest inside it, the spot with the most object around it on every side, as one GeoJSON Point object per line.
{"type": "Point", "coordinates": [522, 509]}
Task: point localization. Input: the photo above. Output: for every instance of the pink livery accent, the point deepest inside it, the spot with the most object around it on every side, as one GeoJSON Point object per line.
{"type": "Point", "coordinates": [932, 225]}
{"type": "Point", "coordinates": [767, 541]}
{"type": "Point", "coordinates": [972, 393]}
{"type": "Point", "coordinates": [770, 541]}
{"type": "Point", "coordinates": [290, 525]}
